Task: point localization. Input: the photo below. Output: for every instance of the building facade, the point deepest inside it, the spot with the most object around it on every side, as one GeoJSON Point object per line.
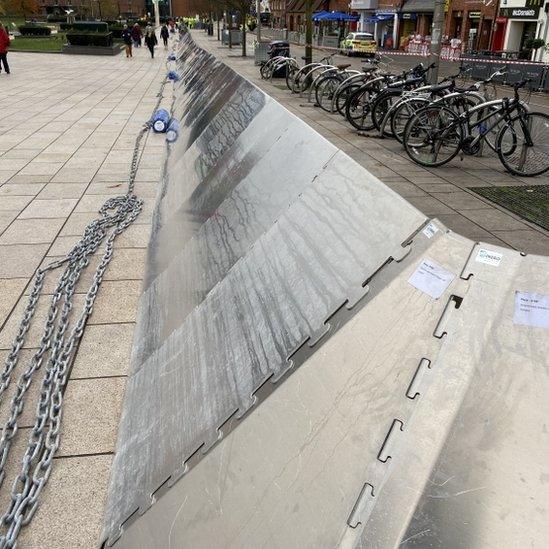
{"type": "Point", "coordinates": [94, 9]}
{"type": "Point", "coordinates": [191, 8]}
{"type": "Point", "coordinates": [471, 22]}
{"type": "Point", "coordinates": [518, 21]}
{"type": "Point", "coordinates": [278, 13]}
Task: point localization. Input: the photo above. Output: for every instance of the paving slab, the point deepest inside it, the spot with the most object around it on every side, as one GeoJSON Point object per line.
{"type": "Point", "coordinates": [53, 208]}
{"type": "Point", "coordinates": [73, 502]}
{"type": "Point", "coordinates": [20, 189]}
{"type": "Point", "coordinates": [91, 429]}
{"type": "Point", "coordinates": [10, 293]}
{"type": "Point", "coordinates": [31, 231]}
{"type": "Point", "coordinates": [104, 351]}
{"type": "Point", "coordinates": [9, 203]}
{"type": "Point", "coordinates": [17, 261]}
{"type": "Point", "coordinates": [62, 190]}
{"type": "Point", "coordinates": [117, 302]}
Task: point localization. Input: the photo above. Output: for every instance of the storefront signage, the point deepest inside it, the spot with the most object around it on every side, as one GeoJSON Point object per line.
{"type": "Point", "coordinates": [411, 16]}
{"type": "Point", "coordinates": [519, 13]}
{"type": "Point", "coordinates": [474, 15]}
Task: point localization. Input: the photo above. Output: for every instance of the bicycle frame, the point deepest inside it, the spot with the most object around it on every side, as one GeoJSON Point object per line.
{"type": "Point", "coordinates": [505, 110]}
{"type": "Point", "coordinates": [324, 73]}
{"type": "Point", "coordinates": [347, 81]}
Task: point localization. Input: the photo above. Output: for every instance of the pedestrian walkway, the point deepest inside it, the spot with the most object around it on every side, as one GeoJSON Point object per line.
{"type": "Point", "coordinates": [438, 192]}
{"type": "Point", "coordinates": [67, 135]}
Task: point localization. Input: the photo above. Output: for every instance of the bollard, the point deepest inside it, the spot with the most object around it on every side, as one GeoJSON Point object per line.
{"type": "Point", "coordinates": [172, 57]}
{"type": "Point", "coordinates": [160, 120]}
{"type": "Point", "coordinates": [173, 75]}
{"type": "Point", "coordinates": [172, 133]}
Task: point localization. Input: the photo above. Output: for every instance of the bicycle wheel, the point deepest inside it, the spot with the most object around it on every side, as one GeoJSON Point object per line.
{"type": "Point", "coordinates": [291, 71]}
{"type": "Point", "coordinates": [433, 136]}
{"type": "Point", "coordinates": [403, 113]}
{"type": "Point", "coordinates": [523, 144]}
{"type": "Point", "coordinates": [380, 107]}
{"type": "Point", "coordinates": [265, 70]}
{"type": "Point", "coordinates": [324, 91]}
{"type": "Point", "coordinates": [358, 109]}
{"type": "Point", "coordinates": [343, 96]}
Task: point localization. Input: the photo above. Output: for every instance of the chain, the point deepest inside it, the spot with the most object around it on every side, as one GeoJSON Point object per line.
{"type": "Point", "coordinates": [56, 349]}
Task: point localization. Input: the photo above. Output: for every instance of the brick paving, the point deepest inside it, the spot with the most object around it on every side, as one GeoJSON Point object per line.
{"type": "Point", "coordinates": [67, 133]}
{"type": "Point", "coordinates": [438, 192]}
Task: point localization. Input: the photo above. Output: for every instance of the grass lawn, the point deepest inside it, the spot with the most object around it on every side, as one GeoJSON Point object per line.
{"type": "Point", "coordinates": [52, 43]}
{"type": "Point", "coordinates": [531, 203]}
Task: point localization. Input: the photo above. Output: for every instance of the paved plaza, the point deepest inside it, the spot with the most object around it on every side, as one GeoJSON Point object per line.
{"type": "Point", "coordinates": [438, 192]}
{"type": "Point", "coordinates": [67, 134]}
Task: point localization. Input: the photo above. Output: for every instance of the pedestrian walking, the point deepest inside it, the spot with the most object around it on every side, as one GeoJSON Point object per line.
{"type": "Point", "coordinates": [165, 34]}
{"type": "Point", "coordinates": [4, 44]}
{"type": "Point", "coordinates": [127, 38]}
{"type": "Point", "coordinates": [136, 35]}
{"type": "Point", "coordinates": [150, 39]}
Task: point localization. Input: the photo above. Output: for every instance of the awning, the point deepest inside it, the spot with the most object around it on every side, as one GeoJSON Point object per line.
{"type": "Point", "coordinates": [378, 18]}
{"type": "Point", "coordinates": [334, 16]}
{"type": "Point", "coordinates": [319, 15]}
{"type": "Point", "coordinates": [419, 6]}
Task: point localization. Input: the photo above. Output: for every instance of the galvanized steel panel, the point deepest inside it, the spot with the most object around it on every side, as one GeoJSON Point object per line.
{"type": "Point", "coordinates": [293, 236]}
{"type": "Point", "coordinates": [290, 473]}
{"type": "Point", "coordinates": [415, 418]}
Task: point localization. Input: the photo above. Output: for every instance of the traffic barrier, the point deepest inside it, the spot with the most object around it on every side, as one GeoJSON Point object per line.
{"type": "Point", "coordinates": [316, 364]}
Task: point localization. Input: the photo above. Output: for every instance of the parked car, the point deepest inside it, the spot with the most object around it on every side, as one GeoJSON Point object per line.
{"type": "Point", "coordinates": [359, 43]}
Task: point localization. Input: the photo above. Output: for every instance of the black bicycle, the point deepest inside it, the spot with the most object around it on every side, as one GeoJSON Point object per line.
{"type": "Point", "coordinates": [435, 134]}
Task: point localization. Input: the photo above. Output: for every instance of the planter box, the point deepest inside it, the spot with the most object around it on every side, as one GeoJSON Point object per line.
{"type": "Point", "coordinates": [115, 49]}
{"type": "Point", "coordinates": [260, 53]}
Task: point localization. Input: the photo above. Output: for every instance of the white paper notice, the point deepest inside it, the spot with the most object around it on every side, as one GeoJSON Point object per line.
{"type": "Point", "coordinates": [531, 309]}
{"type": "Point", "coordinates": [431, 278]}
{"type": "Point", "coordinates": [489, 257]}
{"type": "Point", "coordinates": [430, 230]}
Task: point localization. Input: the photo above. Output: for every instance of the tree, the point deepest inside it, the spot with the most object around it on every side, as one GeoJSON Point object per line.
{"type": "Point", "coordinates": [21, 7]}
{"type": "Point", "coordinates": [242, 7]}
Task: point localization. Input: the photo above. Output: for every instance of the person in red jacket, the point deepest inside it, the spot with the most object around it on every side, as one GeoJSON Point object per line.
{"type": "Point", "coordinates": [4, 44]}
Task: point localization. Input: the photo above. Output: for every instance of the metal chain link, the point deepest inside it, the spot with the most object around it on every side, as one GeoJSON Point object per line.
{"type": "Point", "coordinates": [56, 349]}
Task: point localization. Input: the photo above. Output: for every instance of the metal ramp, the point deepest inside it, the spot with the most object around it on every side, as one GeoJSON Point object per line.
{"type": "Point", "coordinates": [293, 384]}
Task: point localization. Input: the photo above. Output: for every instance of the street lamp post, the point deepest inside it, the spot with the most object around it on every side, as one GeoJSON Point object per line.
{"type": "Point", "coordinates": [436, 39]}
{"type": "Point", "coordinates": [258, 15]}
{"type": "Point", "coordinates": [308, 32]}
{"type": "Point", "coordinates": [156, 13]}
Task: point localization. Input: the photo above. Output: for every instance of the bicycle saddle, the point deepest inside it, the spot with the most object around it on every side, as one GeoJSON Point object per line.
{"type": "Point", "coordinates": [344, 66]}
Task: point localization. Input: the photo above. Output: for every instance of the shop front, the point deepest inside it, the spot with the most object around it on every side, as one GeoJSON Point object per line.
{"type": "Point", "coordinates": [522, 23]}
{"type": "Point", "coordinates": [500, 29]}
{"type": "Point", "coordinates": [386, 28]}
{"type": "Point", "coordinates": [423, 11]}
{"type": "Point", "coordinates": [407, 27]}
{"type": "Point", "coordinates": [470, 23]}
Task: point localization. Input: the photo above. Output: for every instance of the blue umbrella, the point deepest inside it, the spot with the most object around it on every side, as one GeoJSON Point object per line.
{"type": "Point", "coordinates": [320, 15]}
{"type": "Point", "coordinates": [340, 16]}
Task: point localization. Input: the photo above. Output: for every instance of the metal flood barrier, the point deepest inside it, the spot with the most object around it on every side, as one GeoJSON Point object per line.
{"type": "Point", "coordinates": [316, 363]}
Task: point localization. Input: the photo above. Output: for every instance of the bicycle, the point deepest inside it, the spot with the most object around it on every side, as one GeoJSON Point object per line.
{"type": "Point", "coordinates": [436, 134]}
{"type": "Point", "coordinates": [302, 78]}
{"type": "Point", "coordinates": [359, 106]}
